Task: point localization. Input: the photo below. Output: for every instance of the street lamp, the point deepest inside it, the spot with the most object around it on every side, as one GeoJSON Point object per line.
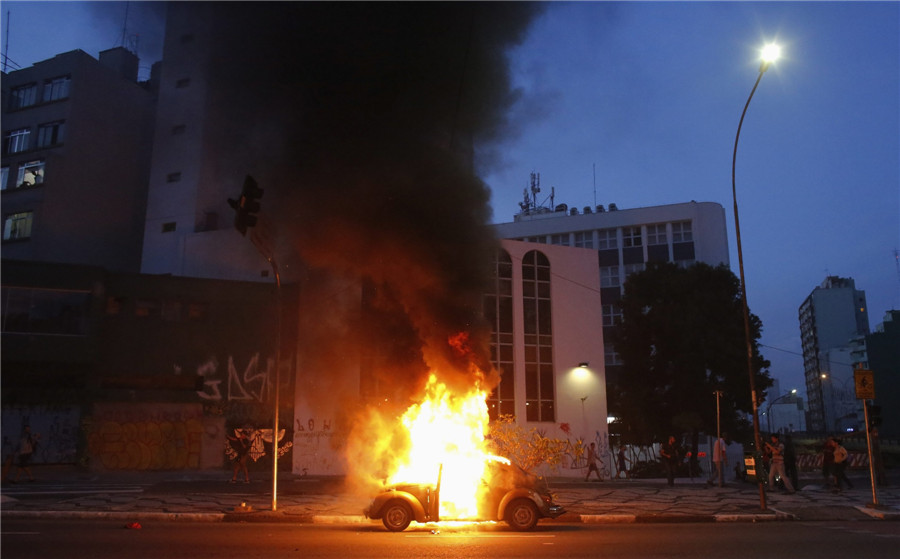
{"type": "Point", "coordinates": [769, 407]}
{"type": "Point", "coordinates": [769, 54]}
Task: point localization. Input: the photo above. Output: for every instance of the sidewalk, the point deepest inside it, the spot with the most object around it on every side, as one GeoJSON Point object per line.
{"type": "Point", "coordinates": [66, 492]}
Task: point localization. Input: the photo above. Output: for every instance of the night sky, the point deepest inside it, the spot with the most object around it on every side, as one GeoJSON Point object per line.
{"type": "Point", "coordinates": [638, 103]}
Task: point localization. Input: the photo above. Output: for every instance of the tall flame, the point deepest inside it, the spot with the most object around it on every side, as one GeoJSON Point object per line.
{"type": "Point", "coordinates": [447, 434]}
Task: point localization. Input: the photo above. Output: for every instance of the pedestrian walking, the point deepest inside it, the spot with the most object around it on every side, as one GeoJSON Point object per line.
{"type": "Point", "coordinates": [670, 458]}
{"type": "Point", "coordinates": [776, 464]}
{"type": "Point", "coordinates": [827, 459]}
{"type": "Point", "coordinates": [239, 447]}
{"type": "Point", "coordinates": [592, 462]}
{"type": "Point", "coordinates": [720, 460]}
{"type": "Point", "coordinates": [25, 452]}
{"type": "Point", "coordinates": [841, 459]}
{"type": "Point", "coordinates": [621, 462]}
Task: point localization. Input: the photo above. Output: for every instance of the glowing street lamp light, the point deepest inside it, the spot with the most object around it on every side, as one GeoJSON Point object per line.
{"type": "Point", "coordinates": [769, 53]}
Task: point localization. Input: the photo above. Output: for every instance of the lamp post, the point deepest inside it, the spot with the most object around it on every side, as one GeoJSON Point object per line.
{"type": "Point", "coordinates": [769, 54]}
{"type": "Point", "coordinates": [775, 401]}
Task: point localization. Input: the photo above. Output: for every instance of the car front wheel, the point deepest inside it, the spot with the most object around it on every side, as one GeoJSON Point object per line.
{"type": "Point", "coordinates": [397, 516]}
{"type": "Point", "coordinates": [522, 515]}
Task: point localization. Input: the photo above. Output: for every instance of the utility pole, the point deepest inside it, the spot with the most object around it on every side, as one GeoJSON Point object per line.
{"type": "Point", "coordinates": [246, 207]}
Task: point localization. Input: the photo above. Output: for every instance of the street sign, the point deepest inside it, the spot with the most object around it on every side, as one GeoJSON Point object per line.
{"type": "Point", "coordinates": [864, 380]}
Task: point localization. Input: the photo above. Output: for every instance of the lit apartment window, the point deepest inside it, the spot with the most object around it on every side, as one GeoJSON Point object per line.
{"type": "Point", "coordinates": [606, 239]}
{"type": "Point", "coordinates": [16, 140]}
{"type": "Point", "coordinates": [57, 88]}
{"type": "Point", "coordinates": [631, 237]}
{"type": "Point", "coordinates": [681, 232]}
{"type": "Point", "coordinates": [30, 174]}
{"type": "Point", "coordinates": [51, 134]}
{"type": "Point", "coordinates": [17, 226]}
{"type": "Point", "coordinates": [656, 234]}
{"type": "Point", "coordinates": [23, 96]}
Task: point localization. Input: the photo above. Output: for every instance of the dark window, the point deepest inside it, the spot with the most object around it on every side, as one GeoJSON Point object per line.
{"type": "Point", "coordinates": [51, 134]}
{"type": "Point", "coordinates": [57, 88]}
{"type": "Point", "coordinates": [183, 82]}
{"type": "Point", "coordinates": [683, 251]}
{"type": "Point", "coordinates": [498, 309]}
{"type": "Point", "coordinates": [538, 326]}
{"type": "Point", "coordinates": [169, 226]}
{"type": "Point", "coordinates": [658, 253]}
{"type": "Point", "coordinates": [23, 96]}
{"type": "Point", "coordinates": [45, 311]}
{"type": "Point", "coordinates": [173, 177]}
{"type": "Point", "coordinates": [15, 141]}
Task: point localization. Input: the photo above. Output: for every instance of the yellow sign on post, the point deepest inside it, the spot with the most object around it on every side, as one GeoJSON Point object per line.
{"type": "Point", "coordinates": [865, 384]}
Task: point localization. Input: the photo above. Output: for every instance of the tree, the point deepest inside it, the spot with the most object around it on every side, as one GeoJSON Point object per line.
{"type": "Point", "coordinates": [681, 338]}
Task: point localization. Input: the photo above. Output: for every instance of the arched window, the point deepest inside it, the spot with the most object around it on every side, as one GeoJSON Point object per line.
{"type": "Point", "coordinates": [539, 377]}
{"type": "Point", "coordinates": [498, 308]}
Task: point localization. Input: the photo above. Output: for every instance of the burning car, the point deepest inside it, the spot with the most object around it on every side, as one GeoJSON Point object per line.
{"type": "Point", "coordinates": [507, 493]}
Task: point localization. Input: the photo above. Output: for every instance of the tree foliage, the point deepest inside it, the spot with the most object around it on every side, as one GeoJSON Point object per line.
{"type": "Point", "coordinates": [681, 338]}
{"type": "Point", "coordinates": [528, 448]}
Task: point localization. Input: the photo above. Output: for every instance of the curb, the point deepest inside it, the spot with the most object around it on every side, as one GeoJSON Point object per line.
{"type": "Point", "coordinates": [116, 515]}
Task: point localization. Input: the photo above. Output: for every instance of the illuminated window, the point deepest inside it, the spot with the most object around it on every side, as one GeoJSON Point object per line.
{"type": "Point", "coordinates": [30, 174]}
{"type": "Point", "coordinates": [17, 226]}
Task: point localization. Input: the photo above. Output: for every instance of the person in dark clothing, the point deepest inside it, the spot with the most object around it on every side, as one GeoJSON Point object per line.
{"type": "Point", "coordinates": [669, 453]}
{"type": "Point", "coordinates": [240, 444]}
{"type": "Point", "coordinates": [790, 461]}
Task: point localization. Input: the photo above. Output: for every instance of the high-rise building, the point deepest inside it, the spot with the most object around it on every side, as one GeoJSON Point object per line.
{"type": "Point", "coordinates": [625, 240]}
{"type": "Point", "coordinates": [76, 139]}
{"type": "Point", "coordinates": [831, 317]}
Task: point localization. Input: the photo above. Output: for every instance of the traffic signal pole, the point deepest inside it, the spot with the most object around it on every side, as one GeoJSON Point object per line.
{"type": "Point", "coordinates": [245, 207]}
{"type": "Point", "coordinates": [871, 456]}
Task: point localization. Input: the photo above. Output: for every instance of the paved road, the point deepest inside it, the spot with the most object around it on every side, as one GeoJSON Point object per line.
{"type": "Point", "coordinates": [65, 492]}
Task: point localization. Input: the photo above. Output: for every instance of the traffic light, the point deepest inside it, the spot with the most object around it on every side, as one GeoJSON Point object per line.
{"type": "Point", "coordinates": [246, 206]}
{"type": "Point", "coordinates": [874, 416]}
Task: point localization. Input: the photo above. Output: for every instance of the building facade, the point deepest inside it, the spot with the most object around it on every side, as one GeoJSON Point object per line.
{"type": "Point", "coordinates": [883, 359]}
{"type": "Point", "coordinates": [624, 241]}
{"type": "Point", "coordinates": [831, 317]}
{"type": "Point", "coordinates": [76, 139]}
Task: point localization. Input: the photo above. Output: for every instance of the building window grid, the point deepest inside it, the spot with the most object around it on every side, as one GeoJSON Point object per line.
{"type": "Point", "coordinates": [607, 239]}
{"type": "Point", "coordinates": [30, 174]}
{"type": "Point", "coordinates": [499, 306]}
{"type": "Point", "coordinates": [584, 239]}
{"type": "Point", "coordinates": [631, 237]}
{"type": "Point", "coordinates": [539, 371]}
{"type": "Point", "coordinates": [561, 239]}
{"type": "Point", "coordinates": [609, 276]}
{"type": "Point", "coordinates": [682, 232]}
{"type": "Point", "coordinates": [656, 234]}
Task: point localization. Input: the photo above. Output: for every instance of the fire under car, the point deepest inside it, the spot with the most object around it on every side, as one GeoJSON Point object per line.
{"type": "Point", "coordinates": [512, 495]}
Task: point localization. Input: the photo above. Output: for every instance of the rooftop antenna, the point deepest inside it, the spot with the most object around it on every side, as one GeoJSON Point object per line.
{"type": "Point", "coordinates": [6, 46]}
{"type": "Point", "coordinates": [125, 24]}
{"type": "Point", "coordinates": [595, 184]}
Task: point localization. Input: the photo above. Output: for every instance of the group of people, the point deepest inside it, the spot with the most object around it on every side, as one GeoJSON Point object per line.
{"type": "Point", "coordinates": [592, 458]}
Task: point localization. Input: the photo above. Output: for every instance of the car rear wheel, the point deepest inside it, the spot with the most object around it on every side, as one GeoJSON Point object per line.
{"type": "Point", "coordinates": [521, 515]}
{"type": "Point", "coordinates": [397, 516]}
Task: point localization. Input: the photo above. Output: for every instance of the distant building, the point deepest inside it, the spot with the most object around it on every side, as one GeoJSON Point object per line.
{"type": "Point", "coordinates": [624, 241]}
{"type": "Point", "coordinates": [75, 161]}
{"type": "Point", "coordinates": [831, 317]}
